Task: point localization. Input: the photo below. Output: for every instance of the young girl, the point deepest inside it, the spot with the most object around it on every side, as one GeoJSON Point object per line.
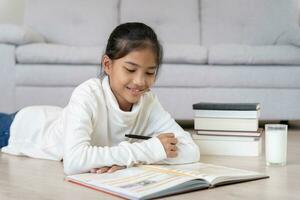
{"type": "Point", "coordinates": [89, 133]}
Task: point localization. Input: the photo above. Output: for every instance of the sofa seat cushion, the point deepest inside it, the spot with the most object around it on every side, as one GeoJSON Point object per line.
{"type": "Point", "coordinates": [185, 54]}
{"type": "Point", "coordinates": [228, 76]}
{"type": "Point", "coordinates": [169, 76]}
{"type": "Point", "coordinates": [43, 53]}
{"type": "Point", "coordinates": [59, 75]}
{"type": "Point", "coordinates": [254, 55]}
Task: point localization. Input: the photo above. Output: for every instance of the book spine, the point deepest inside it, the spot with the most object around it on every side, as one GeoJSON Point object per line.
{"type": "Point", "coordinates": [230, 148]}
{"type": "Point", "coordinates": [226, 124]}
{"type": "Point", "coordinates": [226, 106]}
{"type": "Point", "coordinates": [231, 133]}
{"type": "Point", "coordinates": [226, 138]}
{"type": "Point", "coordinates": [250, 114]}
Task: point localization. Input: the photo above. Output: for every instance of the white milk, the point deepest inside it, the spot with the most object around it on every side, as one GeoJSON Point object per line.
{"type": "Point", "coordinates": [276, 144]}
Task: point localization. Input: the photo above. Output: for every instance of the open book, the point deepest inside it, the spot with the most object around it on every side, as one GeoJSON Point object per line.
{"type": "Point", "coordinates": [152, 181]}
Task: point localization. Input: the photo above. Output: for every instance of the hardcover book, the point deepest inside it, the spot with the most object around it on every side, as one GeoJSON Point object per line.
{"type": "Point", "coordinates": [232, 133]}
{"type": "Point", "coordinates": [226, 106]}
{"type": "Point", "coordinates": [243, 114]}
{"type": "Point", "coordinates": [152, 181]}
{"type": "Point", "coordinates": [228, 145]}
{"type": "Point", "coordinates": [228, 124]}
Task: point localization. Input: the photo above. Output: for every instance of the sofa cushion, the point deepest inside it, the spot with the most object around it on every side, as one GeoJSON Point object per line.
{"type": "Point", "coordinates": [58, 54]}
{"type": "Point", "coordinates": [72, 22]}
{"type": "Point", "coordinates": [290, 37]}
{"type": "Point", "coordinates": [175, 21]}
{"type": "Point", "coordinates": [229, 76]}
{"type": "Point", "coordinates": [246, 22]}
{"type": "Point", "coordinates": [188, 53]}
{"type": "Point", "coordinates": [18, 35]}
{"type": "Point", "coordinates": [43, 53]}
{"type": "Point", "coordinates": [43, 75]}
{"type": "Point", "coordinates": [253, 55]}
{"type": "Point", "coordinates": [29, 96]}
{"type": "Point", "coordinates": [170, 76]}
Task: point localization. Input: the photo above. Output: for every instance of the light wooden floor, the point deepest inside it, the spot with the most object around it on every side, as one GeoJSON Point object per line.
{"type": "Point", "coordinates": [34, 179]}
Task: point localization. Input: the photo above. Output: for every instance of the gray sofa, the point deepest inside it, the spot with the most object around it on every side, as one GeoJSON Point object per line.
{"type": "Point", "coordinates": [215, 50]}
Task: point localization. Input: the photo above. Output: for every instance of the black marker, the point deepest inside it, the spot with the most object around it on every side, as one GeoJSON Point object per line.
{"type": "Point", "coordinates": [141, 137]}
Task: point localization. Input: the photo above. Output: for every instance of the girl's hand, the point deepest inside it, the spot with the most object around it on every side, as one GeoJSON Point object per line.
{"type": "Point", "coordinates": [169, 142]}
{"type": "Point", "coordinates": [107, 169]}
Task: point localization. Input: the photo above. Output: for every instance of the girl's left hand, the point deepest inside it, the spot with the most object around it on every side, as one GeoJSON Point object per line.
{"type": "Point", "coordinates": [107, 169]}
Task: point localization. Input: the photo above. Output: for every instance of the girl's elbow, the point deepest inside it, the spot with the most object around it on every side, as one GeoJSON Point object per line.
{"type": "Point", "coordinates": [68, 171]}
{"type": "Point", "coordinates": [72, 165]}
{"type": "Point", "coordinates": [193, 154]}
{"type": "Point", "coordinates": [69, 167]}
{"type": "Point", "coordinates": [189, 154]}
{"type": "Point", "coordinates": [196, 153]}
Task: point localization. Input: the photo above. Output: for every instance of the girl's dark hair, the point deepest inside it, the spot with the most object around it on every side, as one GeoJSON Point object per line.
{"type": "Point", "coordinates": [133, 36]}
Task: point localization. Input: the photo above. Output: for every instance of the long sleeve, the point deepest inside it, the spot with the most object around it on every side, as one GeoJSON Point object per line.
{"type": "Point", "coordinates": [161, 122]}
{"type": "Point", "coordinates": [81, 156]}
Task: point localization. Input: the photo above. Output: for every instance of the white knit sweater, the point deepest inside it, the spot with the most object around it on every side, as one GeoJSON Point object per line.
{"type": "Point", "coordinates": [89, 131]}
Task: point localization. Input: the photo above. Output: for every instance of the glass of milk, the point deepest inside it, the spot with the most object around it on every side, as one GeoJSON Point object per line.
{"type": "Point", "coordinates": [276, 144]}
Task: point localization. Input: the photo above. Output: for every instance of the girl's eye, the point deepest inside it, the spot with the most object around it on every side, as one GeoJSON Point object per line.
{"type": "Point", "coordinates": [130, 70]}
{"type": "Point", "coordinates": [150, 73]}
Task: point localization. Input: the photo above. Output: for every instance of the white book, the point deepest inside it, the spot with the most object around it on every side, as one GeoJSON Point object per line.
{"type": "Point", "coordinates": [232, 133]}
{"type": "Point", "coordinates": [153, 181]}
{"type": "Point", "coordinates": [225, 124]}
{"type": "Point", "coordinates": [228, 145]}
{"type": "Point", "coordinates": [225, 138]}
{"type": "Point", "coordinates": [248, 114]}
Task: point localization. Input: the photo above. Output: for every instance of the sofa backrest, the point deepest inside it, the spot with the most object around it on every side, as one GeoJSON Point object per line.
{"type": "Point", "coordinates": [72, 22]}
{"type": "Point", "coordinates": [246, 21]}
{"type": "Point", "coordinates": [175, 21]}
{"type": "Point", "coordinates": [206, 22]}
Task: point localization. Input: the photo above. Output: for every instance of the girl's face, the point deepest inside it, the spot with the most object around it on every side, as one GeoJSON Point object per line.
{"type": "Point", "coordinates": [130, 76]}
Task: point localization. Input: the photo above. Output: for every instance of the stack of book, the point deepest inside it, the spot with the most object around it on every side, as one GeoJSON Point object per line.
{"type": "Point", "coordinates": [228, 128]}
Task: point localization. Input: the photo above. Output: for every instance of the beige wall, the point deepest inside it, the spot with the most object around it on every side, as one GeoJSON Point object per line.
{"type": "Point", "coordinates": [11, 11]}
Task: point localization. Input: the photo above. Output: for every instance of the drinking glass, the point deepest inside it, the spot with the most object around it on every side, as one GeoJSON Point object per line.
{"type": "Point", "coordinates": [276, 144]}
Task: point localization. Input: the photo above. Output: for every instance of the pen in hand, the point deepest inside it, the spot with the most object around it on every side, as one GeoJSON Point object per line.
{"type": "Point", "coordinates": [168, 140]}
{"type": "Point", "coordinates": [141, 137]}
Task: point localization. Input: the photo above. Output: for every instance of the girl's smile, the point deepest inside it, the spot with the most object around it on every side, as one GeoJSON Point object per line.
{"type": "Point", "coordinates": [136, 91]}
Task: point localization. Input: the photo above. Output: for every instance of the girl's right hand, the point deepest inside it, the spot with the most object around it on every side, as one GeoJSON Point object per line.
{"type": "Point", "coordinates": [169, 141]}
{"type": "Point", "coordinates": [107, 169]}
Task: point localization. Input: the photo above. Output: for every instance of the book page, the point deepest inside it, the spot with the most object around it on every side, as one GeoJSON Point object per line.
{"type": "Point", "coordinates": [212, 173]}
{"type": "Point", "coordinates": [150, 181]}
{"type": "Point", "coordinates": [132, 182]}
